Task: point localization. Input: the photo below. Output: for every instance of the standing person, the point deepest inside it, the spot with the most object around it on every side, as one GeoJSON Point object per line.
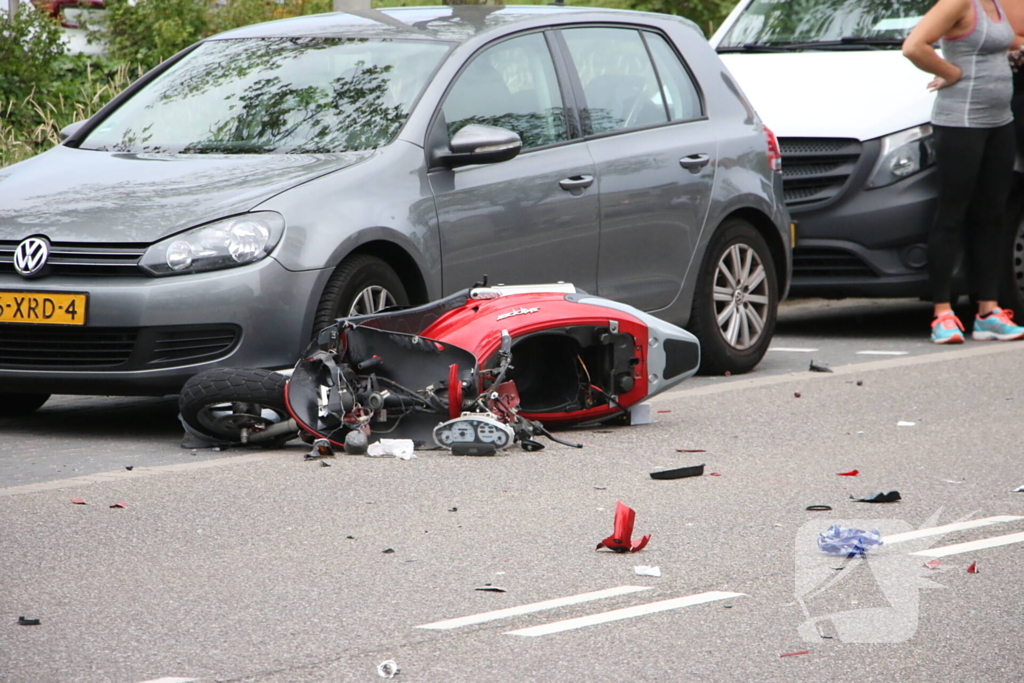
{"type": "Point", "coordinates": [974, 148]}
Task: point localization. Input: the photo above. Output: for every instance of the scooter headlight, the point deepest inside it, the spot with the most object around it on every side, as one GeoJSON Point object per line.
{"type": "Point", "coordinates": [903, 154]}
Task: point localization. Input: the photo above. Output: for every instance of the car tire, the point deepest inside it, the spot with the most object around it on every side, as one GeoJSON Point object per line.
{"type": "Point", "coordinates": [362, 284]}
{"type": "Point", "coordinates": [1011, 285]}
{"type": "Point", "coordinates": [735, 305]}
{"type": "Point", "coordinates": [18, 405]}
{"type": "Point", "coordinates": [219, 403]}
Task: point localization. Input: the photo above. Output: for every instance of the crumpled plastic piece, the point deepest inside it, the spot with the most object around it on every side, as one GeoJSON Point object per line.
{"type": "Point", "coordinates": [1019, 489]}
{"type": "Point", "coordinates": [24, 621]}
{"type": "Point", "coordinates": [78, 501]}
{"type": "Point", "coordinates": [837, 540]}
{"type": "Point", "coordinates": [119, 505]}
{"type": "Point", "coordinates": [933, 564]}
{"type": "Point", "coordinates": [817, 367]}
{"type": "Point", "coordinates": [321, 449]}
{"type": "Point", "coordinates": [645, 570]}
{"type": "Point", "coordinates": [621, 540]}
{"type": "Point", "coordinates": [851, 473]}
{"type": "Point", "coordinates": [973, 569]}
{"type": "Point", "coordinates": [399, 448]}
{"type": "Point", "coordinates": [880, 497]}
{"type": "Point", "coordinates": [388, 669]}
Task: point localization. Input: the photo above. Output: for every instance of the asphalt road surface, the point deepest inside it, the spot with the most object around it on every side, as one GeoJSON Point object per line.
{"type": "Point", "coordinates": [257, 566]}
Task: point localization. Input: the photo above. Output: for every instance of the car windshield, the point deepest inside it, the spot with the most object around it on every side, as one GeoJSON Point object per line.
{"type": "Point", "coordinates": [274, 96]}
{"type": "Point", "coordinates": [804, 23]}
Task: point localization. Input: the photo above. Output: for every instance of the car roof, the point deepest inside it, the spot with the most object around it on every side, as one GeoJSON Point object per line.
{"type": "Point", "coordinates": [452, 23]}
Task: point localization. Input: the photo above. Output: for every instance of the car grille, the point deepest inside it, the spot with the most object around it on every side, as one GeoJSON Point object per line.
{"type": "Point", "coordinates": [811, 262]}
{"type": "Point", "coordinates": [112, 348]}
{"type": "Point", "coordinates": [82, 259]}
{"type": "Point", "coordinates": [815, 170]}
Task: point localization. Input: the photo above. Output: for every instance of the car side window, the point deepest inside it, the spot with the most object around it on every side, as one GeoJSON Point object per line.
{"type": "Point", "coordinates": [681, 94]}
{"type": "Point", "coordinates": [513, 86]}
{"type": "Point", "coordinates": [619, 81]}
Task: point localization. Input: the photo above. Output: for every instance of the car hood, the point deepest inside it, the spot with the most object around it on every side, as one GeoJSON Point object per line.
{"type": "Point", "coordinates": [854, 94]}
{"type": "Point", "coordinates": [73, 195]}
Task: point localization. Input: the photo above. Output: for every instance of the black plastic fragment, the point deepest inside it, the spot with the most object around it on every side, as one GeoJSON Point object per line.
{"type": "Point", "coordinates": [815, 367]}
{"type": "Point", "coordinates": [680, 473]}
{"type": "Point", "coordinates": [22, 621]}
{"type": "Point", "coordinates": [818, 508]}
{"type": "Point", "coordinates": [890, 497]}
{"type": "Point", "coordinates": [472, 448]}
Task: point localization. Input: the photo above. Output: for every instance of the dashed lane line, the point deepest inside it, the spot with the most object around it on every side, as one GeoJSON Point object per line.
{"type": "Point", "coordinates": [533, 607]}
{"type": "Point", "coordinates": [948, 528]}
{"type": "Point", "coordinates": [171, 679]}
{"type": "Point", "coordinates": [971, 546]}
{"type": "Point", "coordinates": [625, 613]}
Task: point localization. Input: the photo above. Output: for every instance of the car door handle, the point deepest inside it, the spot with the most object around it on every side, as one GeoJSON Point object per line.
{"type": "Point", "coordinates": [695, 162]}
{"type": "Point", "coordinates": [576, 182]}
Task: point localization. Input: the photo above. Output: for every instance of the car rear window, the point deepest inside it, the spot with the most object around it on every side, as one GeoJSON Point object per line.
{"type": "Point", "coordinates": [274, 96]}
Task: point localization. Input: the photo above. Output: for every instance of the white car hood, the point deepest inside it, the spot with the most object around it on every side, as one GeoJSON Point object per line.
{"type": "Point", "coordinates": [842, 94]}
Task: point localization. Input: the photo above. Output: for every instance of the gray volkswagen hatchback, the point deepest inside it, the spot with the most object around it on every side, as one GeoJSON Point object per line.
{"type": "Point", "coordinates": [270, 179]}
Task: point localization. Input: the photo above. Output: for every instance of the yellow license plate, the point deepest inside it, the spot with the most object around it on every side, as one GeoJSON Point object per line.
{"type": "Point", "coordinates": [37, 308]}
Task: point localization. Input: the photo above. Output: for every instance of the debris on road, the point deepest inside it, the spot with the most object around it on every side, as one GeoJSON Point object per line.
{"type": "Point", "coordinates": [22, 621]}
{"type": "Point", "coordinates": [880, 497]}
{"type": "Point", "coordinates": [933, 564]}
{"type": "Point", "coordinates": [324, 463]}
{"type": "Point", "coordinates": [621, 539]}
{"type": "Point", "coordinates": [838, 540]}
{"type": "Point", "coordinates": [680, 473]}
{"type": "Point", "coordinates": [78, 501]}
{"type": "Point", "coordinates": [714, 474]}
{"type": "Point", "coordinates": [387, 551]}
{"type": "Point", "coordinates": [798, 652]}
{"type": "Point", "coordinates": [453, 509]}
{"type": "Point", "coordinates": [860, 383]}
{"type": "Point", "coordinates": [356, 442]}
{"type": "Point", "coordinates": [973, 569]}
{"type": "Point", "coordinates": [796, 394]}
{"type": "Point", "coordinates": [321, 449]}
{"type": "Point", "coordinates": [904, 423]}
{"type": "Point", "coordinates": [398, 448]}
{"type": "Point", "coordinates": [387, 669]}
{"type": "Point", "coordinates": [488, 588]}
{"type": "Point", "coordinates": [644, 570]}
{"type": "Point", "coordinates": [129, 467]}
{"type": "Point", "coordinates": [1019, 489]}
{"type": "Point", "coordinates": [119, 505]}
{"type": "Point", "coordinates": [815, 367]}
{"type": "Point", "coordinates": [690, 450]}
{"type": "Point", "coordinates": [851, 473]}
{"type": "Point", "coordinates": [818, 508]}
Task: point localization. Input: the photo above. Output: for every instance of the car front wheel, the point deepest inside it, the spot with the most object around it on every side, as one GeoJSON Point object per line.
{"type": "Point", "coordinates": [361, 285]}
{"type": "Point", "coordinates": [736, 300]}
{"type": "Point", "coordinates": [1012, 285]}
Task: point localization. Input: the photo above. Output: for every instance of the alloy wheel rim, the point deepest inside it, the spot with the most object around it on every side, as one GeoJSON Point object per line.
{"type": "Point", "coordinates": [371, 300]}
{"type": "Point", "coordinates": [741, 296]}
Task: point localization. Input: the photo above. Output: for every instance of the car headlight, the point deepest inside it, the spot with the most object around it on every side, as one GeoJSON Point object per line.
{"type": "Point", "coordinates": [903, 154]}
{"type": "Point", "coordinates": [228, 243]}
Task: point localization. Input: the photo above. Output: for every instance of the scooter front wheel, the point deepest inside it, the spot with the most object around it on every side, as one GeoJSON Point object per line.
{"type": "Point", "coordinates": [237, 405]}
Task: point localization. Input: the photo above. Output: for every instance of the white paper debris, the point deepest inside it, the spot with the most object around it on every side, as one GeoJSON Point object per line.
{"type": "Point", "coordinates": [903, 423]}
{"type": "Point", "coordinates": [387, 669]}
{"type": "Point", "coordinates": [398, 448]}
{"type": "Point", "coordinates": [1019, 489]}
{"type": "Point", "coordinates": [644, 570]}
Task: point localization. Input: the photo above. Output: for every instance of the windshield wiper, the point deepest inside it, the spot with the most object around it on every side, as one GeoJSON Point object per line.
{"type": "Point", "coordinates": [844, 43]}
{"type": "Point", "coordinates": [755, 47]}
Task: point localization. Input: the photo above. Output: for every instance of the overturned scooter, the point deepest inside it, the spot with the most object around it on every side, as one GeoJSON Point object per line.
{"type": "Point", "coordinates": [474, 372]}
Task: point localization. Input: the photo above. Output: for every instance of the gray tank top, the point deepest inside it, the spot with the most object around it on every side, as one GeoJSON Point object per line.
{"type": "Point", "coordinates": [981, 99]}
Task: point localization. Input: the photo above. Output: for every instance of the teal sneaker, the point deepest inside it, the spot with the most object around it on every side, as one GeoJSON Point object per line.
{"type": "Point", "coordinates": [996, 325]}
{"type": "Point", "coordinates": [947, 329]}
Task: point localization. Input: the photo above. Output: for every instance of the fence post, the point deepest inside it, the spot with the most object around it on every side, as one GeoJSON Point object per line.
{"type": "Point", "coordinates": [12, 8]}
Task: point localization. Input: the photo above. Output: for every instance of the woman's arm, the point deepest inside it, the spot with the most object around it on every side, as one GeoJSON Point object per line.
{"type": "Point", "coordinates": [947, 17]}
{"type": "Point", "coordinates": [1015, 14]}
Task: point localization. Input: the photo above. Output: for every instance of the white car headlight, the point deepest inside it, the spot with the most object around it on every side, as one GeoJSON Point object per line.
{"type": "Point", "coordinates": [903, 154]}
{"type": "Point", "coordinates": [223, 244]}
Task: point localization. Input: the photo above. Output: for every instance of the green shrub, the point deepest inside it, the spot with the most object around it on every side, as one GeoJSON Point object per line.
{"type": "Point", "coordinates": [29, 47]}
{"type": "Point", "coordinates": [146, 32]}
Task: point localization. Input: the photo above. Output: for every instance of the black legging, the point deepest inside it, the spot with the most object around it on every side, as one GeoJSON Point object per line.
{"type": "Point", "coordinates": [975, 172]}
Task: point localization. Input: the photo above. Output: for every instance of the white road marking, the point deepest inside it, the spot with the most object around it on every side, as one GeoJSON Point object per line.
{"type": "Point", "coordinates": [948, 528]}
{"type": "Point", "coordinates": [882, 353]}
{"type": "Point", "coordinates": [171, 679]}
{"type": "Point", "coordinates": [534, 607]}
{"type": "Point", "coordinates": [791, 349]}
{"type": "Point", "coordinates": [972, 545]}
{"type": "Point", "coordinates": [625, 613]}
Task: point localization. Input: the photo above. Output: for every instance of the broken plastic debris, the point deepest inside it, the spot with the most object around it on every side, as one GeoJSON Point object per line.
{"type": "Point", "coordinates": [324, 463]}
{"type": "Point", "coordinates": [973, 569]}
{"type": "Point", "coordinates": [798, 652]}
{"type": "Point", "coordinates": [119, 505]}
{"type": "Point", "coordinates": [796, 394]}
{"type": "Point", "coordinates": [680, 473]}
{"type": "Point", "coordinates": [714, 474]}
{"type": "Point", "coordinates": [387, 669]}
{"type": "Point", "coordinates": [851, 473]}
{"type": "Point", "coordinates": [661, 412]}
{"type": "Point", "coordinates": [321, 449]}
{"type": "Point", "coordinates": [880, 497]}
{"type": "Point", "coordinates": [818, 508]}
{"type": "Point", "coordinates": [356, 442]}
{"type": "Point", "coordinates": [815, 367]}
{"type": "Point", "coordinates": [904, 423]}
{"type": "Point", "coordinates": [453, 509]}
{"type": "Point", "coordinates": [129, 467]}
{"type": "Point", "coordinates": [837, 540]}
{"type": "Point", "coordinates": [399, 448]}
{"type": "Point", "coordinates": [621, 539]}
{"type": "Point", "coordinates": [1019, 489]}
{"type": "Point", "coordinates": [22, 621]}
{"type": "Point", "coordinates": [860, 383]}
{"type": "Point", "coordinates": [644, 570]}
{"type": "Point", "coordinates": [388, 550]}
{"type": "Point", "coordinates": [78, 501]}
{"type": "Point", "coordinates": [690, 450]}
{"type": "Point", "coordinates": [934, 564]}
{"type": "Point", "coordinates": [488, 588]}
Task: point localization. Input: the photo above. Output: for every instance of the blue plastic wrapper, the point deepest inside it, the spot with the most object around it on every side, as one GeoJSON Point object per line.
{"type": "Point", "coordinates": [848, 542]}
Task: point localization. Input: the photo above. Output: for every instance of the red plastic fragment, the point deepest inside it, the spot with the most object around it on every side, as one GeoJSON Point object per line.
{"type": "Point", "coordinates": [119, 505]}
{"type": "Point", "coordinates": [973, 569]}
{"type": "Point", "coordinates": [664, 411]}
{"type": "Point", "coordinates": [621, 540]}
{"type": "Point", "coordinates": [714, 474]}
{"type": "Point", "coordinates": [78, 501]}
{"type": "Point", "coordinates": [851, 473]}
{"type": "Point", "coordinates": [793, 654]}
{"type": "Point", "coordinates": [934, 564]}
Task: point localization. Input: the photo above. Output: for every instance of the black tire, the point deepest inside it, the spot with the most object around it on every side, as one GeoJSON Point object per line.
{"type": "Point", "coordinates": [18, 405]}
{"type": "Point", "coordinates": [1011, 284]}
{"type": "Point", "coordinates": [346, 292]}
{"type": "Point", "coordinates": [737, 344]}
{"type": "Point", "coordinates": [219, 403]}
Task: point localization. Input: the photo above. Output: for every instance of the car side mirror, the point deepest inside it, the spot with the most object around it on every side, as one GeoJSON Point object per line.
{"type": "Point", "coordinates": [480, 144]}
{"type": "Point", "coordinates": [70, 129]}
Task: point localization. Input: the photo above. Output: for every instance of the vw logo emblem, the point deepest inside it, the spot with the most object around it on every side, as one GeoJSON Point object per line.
{"type": "Point", "coordinates": [30, 256]}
